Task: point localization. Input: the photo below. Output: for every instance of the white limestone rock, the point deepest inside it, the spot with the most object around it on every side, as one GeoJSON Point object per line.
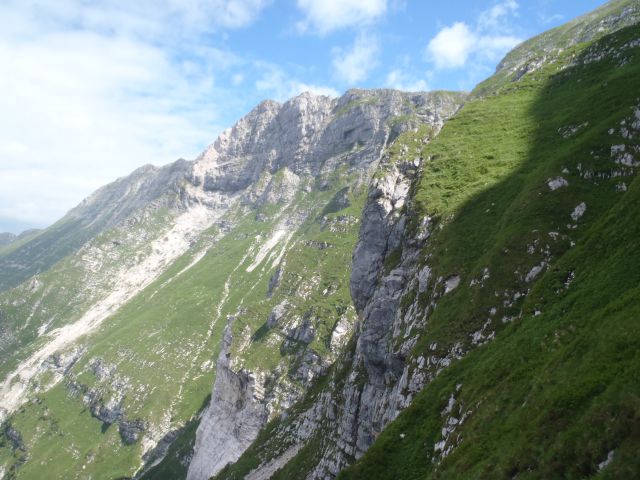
{"type": "Point", "coordinates": [556, 183]}
{"type": "Point", "coordinates": [579, 211]}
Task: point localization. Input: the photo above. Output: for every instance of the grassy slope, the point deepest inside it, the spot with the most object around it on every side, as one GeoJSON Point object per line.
{"type": "Point", "coordinates": [36, 253]}
{"type": "Point", "coordinates": [553, 394]}
{"type": "Point", "coordinates": [64, 292]}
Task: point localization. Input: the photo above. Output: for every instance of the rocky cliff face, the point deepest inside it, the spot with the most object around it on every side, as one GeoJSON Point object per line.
{"type": "Point", "coordinates": [373, 382]}
{"type": "Point", "coordinates": [233, 420]}
{"type": "Point", "coordinates": [309, 135]}
{"type": "Point", "coordinates": [322, 136]}
{"type": "Point", "coordinates": [379, 382]}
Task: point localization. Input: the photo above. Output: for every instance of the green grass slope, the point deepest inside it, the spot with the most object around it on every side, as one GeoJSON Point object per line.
{"type": "Point", "coordinates": [554, 392]}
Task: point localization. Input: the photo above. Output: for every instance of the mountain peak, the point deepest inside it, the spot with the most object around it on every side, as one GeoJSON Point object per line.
{"type": "Point", "coordinates": [546, 48]}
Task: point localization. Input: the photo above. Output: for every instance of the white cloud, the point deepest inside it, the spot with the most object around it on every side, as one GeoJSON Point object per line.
{"type": "Point", "coordinates": [451, 47]}
{"type": "Point", "coordinates": [227, 13]}
{"type": "Point", "coordinates": [324, 16]}
{"type": "Point", "coordinates": [402, 81]}
{"type": "Point", "coordinates": [550, 18]}
{"type": "Point", "coordinates": [354, 65]}
{"type": "Point", "coordinates": [454, 46]}
{"type": "Point", "coordinates": [299, 87]}
{"type": "Point", "coordinates": [237, 79]}
{"type": "Point", "coordinates": [494, 47]}
{"type": "Point", "coordinates": [92, 90]}
{"type": "Point", "coordinates": [493, 17]}
{"type": "Point", "coordinates": [281, 87]}
{"type": "Point", "coordinates": [160, 19]}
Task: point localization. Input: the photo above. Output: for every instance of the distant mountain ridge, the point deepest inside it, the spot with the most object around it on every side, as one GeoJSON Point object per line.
{"type": "Point", "coordinates": [6, 238]}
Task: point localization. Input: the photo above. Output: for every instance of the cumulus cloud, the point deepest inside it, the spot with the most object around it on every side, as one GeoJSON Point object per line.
{"type": "Point", "coordinates": [548, 18]}
{"type": "Point", "coordinates": [401, 80]}
{"type": "Point", "coordinates": [300, 87]}
{"type": "Point", "coordinates": [493, 17]}
{"type": "Point", "coordinates": [324, 16]}
{"type": "Point", "coordinates": [451, 47]}
{"type": "Point", "coordinates": [92, 90]}
{"type": "Point", "coordinates": [455, 45]}
{"type": "Point", "coordinates": [354, 65]}
{"type": "Point", "coordinates": [228, 13]}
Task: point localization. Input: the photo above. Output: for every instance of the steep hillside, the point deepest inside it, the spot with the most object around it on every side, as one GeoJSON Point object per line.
{"type": "Point", "coordinates": [105, 209]}
{"type": "Point", "coordinates": [109, 352]}
{"type": "Point", "coordinates": [499, 299]}
{"type": "Point", "coordinates": [554, 393]}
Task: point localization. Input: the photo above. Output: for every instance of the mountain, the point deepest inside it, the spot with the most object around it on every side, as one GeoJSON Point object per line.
{"type": "Point", "coordinates": [10, 241]}
{"type": "Point", "coordinates": [109, 351]}
{"type": "Point", "coordinates": [6, 238]}
{"type": "Point", "coordinates": [385, 285]}
{"type": "Point", "coordinates": [499, 304]}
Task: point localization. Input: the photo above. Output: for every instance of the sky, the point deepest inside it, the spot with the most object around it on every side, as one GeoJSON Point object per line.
{"type": "Point", "coordinates": [92, 89]}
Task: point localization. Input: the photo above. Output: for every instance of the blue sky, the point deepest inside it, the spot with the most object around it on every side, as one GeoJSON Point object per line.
{"type": "Point", "coordinates": [91, 90]}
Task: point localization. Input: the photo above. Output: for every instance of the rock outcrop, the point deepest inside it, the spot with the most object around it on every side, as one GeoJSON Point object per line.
{"type": "Point", "coordinates": [233, 420]}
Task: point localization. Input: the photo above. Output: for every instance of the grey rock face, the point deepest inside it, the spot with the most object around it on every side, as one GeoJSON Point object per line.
{"type": "Point", "coordinates": [378, 234]}
{"type": "Point", "coordinates": [62, 362]}
{"type": "Point", "coordinates": [374, 392]}
{"type": "Point", "coordinates": [274, 281]}
{"type": "Point", "coordinates": [14, 437]}
{"type": "Point", "coordinates": [131, 430]}
{"type": "Point", "coordinates": [231, 422]}
{"type": "Point", "coordinates": [380, 382]}
{"type": "Point", "coordinates": [305, 332]}
{"type": "Point", "coordinates": [110, 412]}
{"type": "Point", "coordinates": [277, 314]}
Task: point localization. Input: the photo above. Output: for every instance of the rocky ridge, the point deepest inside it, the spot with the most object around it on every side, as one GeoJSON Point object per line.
{"type": "Point", "coordinates": [363, 156]}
